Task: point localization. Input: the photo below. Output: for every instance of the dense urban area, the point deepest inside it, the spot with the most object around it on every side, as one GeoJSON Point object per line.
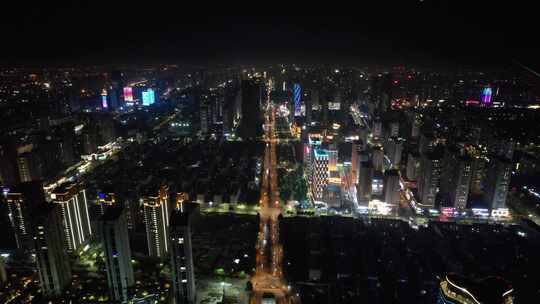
{"type": "Point", "coordinates": [265, 184]}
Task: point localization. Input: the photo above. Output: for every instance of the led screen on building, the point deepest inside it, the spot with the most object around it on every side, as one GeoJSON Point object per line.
{"type": "Point", "coordinates": [128, 94]}
{"type": "Point", "coordinates": [297, 94]}
{"type": "Point", "coordinates": [148, 97]}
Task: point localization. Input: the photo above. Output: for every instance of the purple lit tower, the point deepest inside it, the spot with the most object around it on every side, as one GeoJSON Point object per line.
{"type": "Point", "coordinates": [486, 96]}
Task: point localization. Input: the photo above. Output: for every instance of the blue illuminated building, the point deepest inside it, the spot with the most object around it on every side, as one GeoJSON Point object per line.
{"type": "Point", "coordinates": [148, 97]}
{"type": "Point", "coordinates": [486, 95]}
{"type": "Point", "coordinates": [297, 95]}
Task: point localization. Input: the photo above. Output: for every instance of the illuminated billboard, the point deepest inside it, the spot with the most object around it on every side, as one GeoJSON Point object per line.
{"type": "Point", "coordinates": [104, 104]}
{"type": "Point", "coordinates": [128, 94]}
{"type": "Point", "coordinates": [148, 97]}
{"type": "Point", "coordinates": [486, 95]}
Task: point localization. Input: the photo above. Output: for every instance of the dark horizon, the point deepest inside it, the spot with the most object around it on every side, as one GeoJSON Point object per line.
{"type": "Point", "coordinates": [415, 32]}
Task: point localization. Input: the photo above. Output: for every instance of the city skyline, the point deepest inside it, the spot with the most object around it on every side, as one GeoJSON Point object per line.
{"type": "Point", "coordinates": [390, 156]}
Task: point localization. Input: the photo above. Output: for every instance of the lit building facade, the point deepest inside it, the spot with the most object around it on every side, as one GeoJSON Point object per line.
{"type": "Point", "coordinates": [156, 219]}
{"type": "Point", "coordinates": [498, 180]}
{"type": "Point", "coordinates": [460, 182]}
{"type": "Point", "coordinates": [71, 198]}
{"type": "Point", "coordinates": [114, 235]}
{"type": "Point", "coordinates": [20, 201]}
{"type": "Point", "coordinates": [456, 289]}
{"type": "Point", "coordinates": [320, 173]}
{"type": "Point", "coordinates": [430, 175]}
{"type": "Point", "coordinates": [182, 268]}
{"type": "Point", "coordinates": [52, 261]}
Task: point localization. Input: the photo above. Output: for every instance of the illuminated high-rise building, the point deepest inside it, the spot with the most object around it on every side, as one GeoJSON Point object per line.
{"type": "Point", "coordinates": [51, 258]}
{"type": "Point", "coordinates": [430, 175]}
{"type": "Point", "coordinates": [486, 95]}
{"type": "Point", "coordinates": [320, 172]}
{"type": "Point", "coordinates": [459, 173]}
{"type": "Point", "coordinates": [297, 97]}
{"type": "Point", "coordinates": [378, 158]}
{"type": "Point", "coordinates": [377, 185]}
{"type": "Point", "coordinates": [156, 218]}
{"type": "Point", "coordinates": [394, 149]}
{"type": "Point", "coordinates": [498, 180]}
{"type": "Point", "coordinates": [314, 142]}
{"type": "Point", "coordinates": [148, 97]}
{"type": "Point", "coordinates": [73, 206]}
{"type": "Point", "coordinates": [30, 166]}
{"type": "Point", "coordinates": [114, 235]}
{"type": "Point", "coordinates": [104, 103]}
{"type": "Point", "coordinates": [128, 94]}
{"type": "Point", "coordinates": [20, 201]}
{"type": "Point", "coordinates": [183, 272]}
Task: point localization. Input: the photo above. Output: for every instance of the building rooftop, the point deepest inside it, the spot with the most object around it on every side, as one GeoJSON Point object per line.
{"type": "Point", "coordinates": [486, 290]}
{"type": "Point", "coordinates": [112, 214]}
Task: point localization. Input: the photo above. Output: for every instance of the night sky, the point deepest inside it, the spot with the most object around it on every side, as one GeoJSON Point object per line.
{"type": "Point", "coordinates": [417, 32]}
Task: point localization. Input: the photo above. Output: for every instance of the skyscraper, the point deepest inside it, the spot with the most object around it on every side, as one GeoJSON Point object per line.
{"type": "Point", "coordinates": [391, 187]}
{"type": "Point", "coordinates": [394, 149]}
{"type": "Point", "coordinates": [498, 180]}
{"type": "Point", "coordinates": [430, 175]}
{"type": "Point", "coordinates": [320, 173]}
{"type": "Point", "coordinates": [156, 219]}
{"type": "Point", "coordinates": [251, 121]}
{"type": "Point", "coordinates": [52, 261]}
{"type": "Point", "coordinates": [356, 148]}
{"type": "Point", "coordinates": [297, 97]}
{"type": "Point", "coordinates": [114, 235]}
{"type": "Point", "coordinates": [181, 255]}
{"type": "Point", "coordinates": [378, 158]}
{"type": "Point", "coordinates": [71, 198]}
{"type": "Point", "coordinates": [365, 176]}
{"type": "Point", "coordinates": [20, 201]}
{"type": "Point", "coordinates": [459, 180]}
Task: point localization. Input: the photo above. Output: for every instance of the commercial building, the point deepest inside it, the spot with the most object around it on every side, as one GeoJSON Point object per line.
{"type": "Point", "coordinates": [114, 235]}
{"type": "Point", "coordinates": [456, 289]}
{"type": "Point", "coordinates": [320, 173]}
{"type": "Point", "coordinates": [183, 273]}
{"type": "Point", "coordinates": [71, 198]}
{"type": "Point", "coordinates": [156, 218]}
{"type": "Point", "coordinates": [51, 258]}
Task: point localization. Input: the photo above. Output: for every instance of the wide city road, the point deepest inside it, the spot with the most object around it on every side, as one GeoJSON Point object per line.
{"type": "Point", "coordinates": [268, 279]}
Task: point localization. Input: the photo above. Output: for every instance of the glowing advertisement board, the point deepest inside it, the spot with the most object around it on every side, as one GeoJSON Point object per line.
{"type": "Point", "coordinates": [128, 94]}
{"type": "Point", "coordinates": [148, 97]}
